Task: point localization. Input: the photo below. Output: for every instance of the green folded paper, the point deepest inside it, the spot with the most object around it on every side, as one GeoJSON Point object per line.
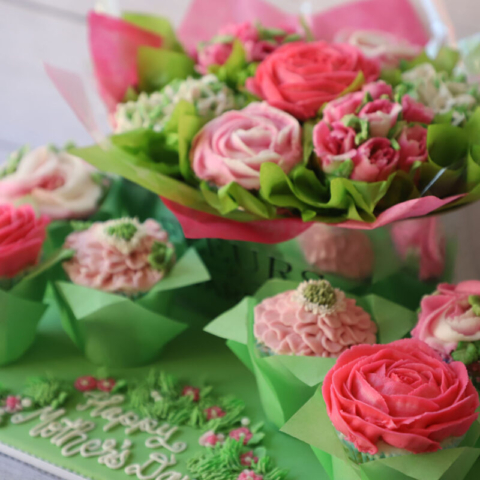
{"type": "Point", "coordinates": [22, 308]}
{"type": "Point", "coordinates": [312, 425]}
{"type": "Point", "coordinates": [285, 382]}
{"type": "Point", "coordinates": [116, 331]}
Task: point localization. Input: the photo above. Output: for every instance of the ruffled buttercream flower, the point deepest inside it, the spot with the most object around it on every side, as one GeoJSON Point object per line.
{"type": "Point", "coordinates": [348, 253]}
{"type": "Point", "coordinates": [209, 96]}
{"type": "Point", "coordinates": [400, 395]}
{"type": "Point", "coordinates": [119, 256]}
{"type": "Point", "coordinates": [314, 320]}
{"type": "Point", "coordinates": [58, 184]}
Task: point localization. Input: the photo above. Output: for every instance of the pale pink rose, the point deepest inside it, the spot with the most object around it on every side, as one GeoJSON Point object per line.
{"type": "Point", "coordinates": [401, 394]}
{"type": "Point", "coordinates": [416, 112]}
{"type": "Point", "coordinates": [425, 240]}
{"type": "Point", "coordinates": [382, 115]}
{"type": "Point", "coordinates": [286, 326]}
{"type": "Point", "coordinates": [447, 317]}
{"type": "Point", "coordinates": [233, 146]}
{"type": "Point", "coordinates": [385, 47]}
{"type": "Point", "coordinates": [344, 252]}
{"type": "Point", "coordinates": [376, 159]}
{"type": "Point", "coordinates": [242, 433]}
{"type": "Point", "coordinates": [57, 184]}
{"type": "Point", "coordinates": [413, 146]}
{"type": "Point", "coordinates": [103, 262]}
{"type": "Point", "coordinates": [337, 109]}
{"type": "Point", "coordinates": [333, 144]}
{"type": "Point", "coordinates": [249, 475]}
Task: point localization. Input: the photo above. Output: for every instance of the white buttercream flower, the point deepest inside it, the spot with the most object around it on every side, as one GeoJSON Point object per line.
{"type": "Point", "coordinates": [208, 94]}
{"type": "Point", "coordinates": [58, 184]}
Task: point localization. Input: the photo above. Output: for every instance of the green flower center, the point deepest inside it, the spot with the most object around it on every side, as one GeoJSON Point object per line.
{"type": "Point", "coordinates": [124, 231]}
{"type": "Point", "coordinates": [320, 293]}
{"type": "Point", "coordinates": [474, 301]}
{"type": "Point", "coordinates": [160, 256]}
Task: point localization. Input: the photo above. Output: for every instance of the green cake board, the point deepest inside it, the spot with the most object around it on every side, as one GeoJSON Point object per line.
{"type": "Point", "coordinates": [194, 357]}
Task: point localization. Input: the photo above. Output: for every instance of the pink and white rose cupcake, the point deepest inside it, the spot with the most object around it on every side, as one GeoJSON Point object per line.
{"type": "Point", "coordinates": [313, 320]}
{"type": "Point", "coordinates": [347, 253]}
{"type": "Point", "coordinates": [119, 256]}
{"type": "Point", "coordinates": [398, 399]}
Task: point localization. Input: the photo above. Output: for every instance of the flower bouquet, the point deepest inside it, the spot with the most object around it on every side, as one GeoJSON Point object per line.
{"type": "Point", "coordinates": [289, 335]}
{"type": "Point", "coordinates": [129, 273]}
{"type": "Point", "coordinates": [260, 128]}
{"type": "Point", "coordinates": [392, 411]}
{"type": "Point", "coordinates": [23, 278]}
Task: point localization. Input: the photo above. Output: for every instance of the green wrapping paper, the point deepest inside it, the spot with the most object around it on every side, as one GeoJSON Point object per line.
{"type": "Point", "coordinates": [22, 308]}
{"type": "Point", "coordinates": [115, 331]}
{"type": "Point", "coordinates": [285, 383]}
{"type": "Point", "coordinates": [312, 425]}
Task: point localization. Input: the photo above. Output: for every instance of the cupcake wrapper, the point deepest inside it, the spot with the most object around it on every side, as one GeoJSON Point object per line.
{"type": "Point", "coordinates": [116, 331]}
{"type": "Point", "coordinates": [285, 383]}
{"type": "Point", "coordinates": [459, 460]}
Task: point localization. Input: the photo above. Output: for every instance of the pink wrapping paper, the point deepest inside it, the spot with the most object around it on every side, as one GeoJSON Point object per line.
{"type": "Point", "coordinates": [114, 44]}
{"type": "Point", "coordinates": [197, 224]}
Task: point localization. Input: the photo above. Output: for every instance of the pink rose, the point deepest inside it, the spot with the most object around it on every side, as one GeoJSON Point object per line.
{"type": "Point", "coordinates": [13, 404]}
{"type": "Point", "coordinates": [447, 317]}
{"type": "Point", "coordinates": [376, 160]}
{"type": "Point", "coordinates": [378, 89]}
{"type": "Point", "coordinates": [192, 392]}
{"type": "Point", "coordinates": [256, 49]}
{"type": "Point", "coordinates": [333, 144]}
{"type": "Point", "coordinates": [210, 439]}
{"type": "Point", "coordinates": [413, 146]}
{"type": "Point", "coordinates": [104, 260]}
{"type": "Point", "coordinates": [382, 115]}
{"type": "Point", "coordinates": [85, 384]}
{"type": "Point", "coordinates": [423, 238]}
{"type": "Point", "coordinates": [233, 146]}
{"type": "Point", "coordinates": [416, 112]}
{"type": "Point", "coordinates": [242, 433]}
{"type": "Point", "coordinates": [300, 77]}
{"type": "Point", "coordinates": [248, 458]}
{"type": "Point", "coordinates": [214, 412]}
{"type": "Point", "coordinates": [249, 475]}
{"type": "Point", "coordinates": [21, 238]}
{"type": "Point", "coordinates": [106, 384]}
{"type": "Point", "coordinates": [402, 394]}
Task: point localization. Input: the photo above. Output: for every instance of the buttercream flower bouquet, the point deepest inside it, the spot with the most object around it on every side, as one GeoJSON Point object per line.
{"type": "Point", "coordinates": [131, 276]}
{"type": "Point", "coordinates": [395, 410]}
{"type": "Point", "coordinates": [24, 273]}
{"type": "Point", "coordinates": [289, 335]}
{"type": "Point", "coordinates": [257, 127]}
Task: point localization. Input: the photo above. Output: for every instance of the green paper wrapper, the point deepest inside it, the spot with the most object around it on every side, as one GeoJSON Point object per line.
{"type": "Point", "coordinates": [285, 383]}
{"type": "Point", "coordinates": [115, 331]}
{"type": "Point", "coordinates": [22, 308]}
{"type": "Point", "coordinates": [312, 425]}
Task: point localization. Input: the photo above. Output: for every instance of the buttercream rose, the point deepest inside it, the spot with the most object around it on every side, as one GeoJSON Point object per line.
{"type": "Point", "coordinates": [58, 184]}
{"type": "Point", "coordinates": [349, 104]}
{"type": "Point", "coordinates": [232, 147]}
{"type": "Point", "coordinates": [119, 256]}
{"type": "Point", "coordinates": [413, 146]}
{"type": "Point", "coordinates": [382, 115]}
{"type": "Point", "coordinates": [400, 395]}
{"type": "Point", "coordinates": [301, 77]}
{"type": "Point", "coordinates": [22, 234]}
{"type": "Point", "coordinates": [449, 316]}
{"type": "Point", "coordinates": [416, 112]}
{"type": "Point", "coordinates": [376, 159]}
{"type": "Point", "coordinates": [314, 320]}
{"type": "Point", "coordinates": [334, 144]}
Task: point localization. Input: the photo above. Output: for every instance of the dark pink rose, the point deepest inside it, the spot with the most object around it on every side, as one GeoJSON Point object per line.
{"type": "Point", "coordinates": [424, 239]}
{"type": "Point", "coordinates": [335, 143]}
{"type": "Point", "coordinates": [22, 235]}
{"type": "Point", "coordinates": [402, 394]}
{"type": "Point", "coordinates": [382, 115]}
{"type": "Point", "coordinates": [413, 146]}
{"type": "Point", "coordinates": [300, 77]}
{"type": "Point", "coordinates": [376, 159]}
{"type": "Point", "coordinates": [447, 317]}
{"type": "Point", "coordinates": [416, 112]}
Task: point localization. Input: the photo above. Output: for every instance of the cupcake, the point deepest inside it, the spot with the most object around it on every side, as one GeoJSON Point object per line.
{"type": "Point", "coordinates": [398, 399]}
{"type": "Point", "coordinates": [57, 184]}
{"type": "Point", "coordinates": [120, 256]}
{"type": "Point", "coordinates": [449, 322]}
{"type": "Point", "coordinates": [347, 253]}
{"type": "Point", "coordinates": [316, 320]}
{"type": "Point", "coordinates": [123, 276]}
